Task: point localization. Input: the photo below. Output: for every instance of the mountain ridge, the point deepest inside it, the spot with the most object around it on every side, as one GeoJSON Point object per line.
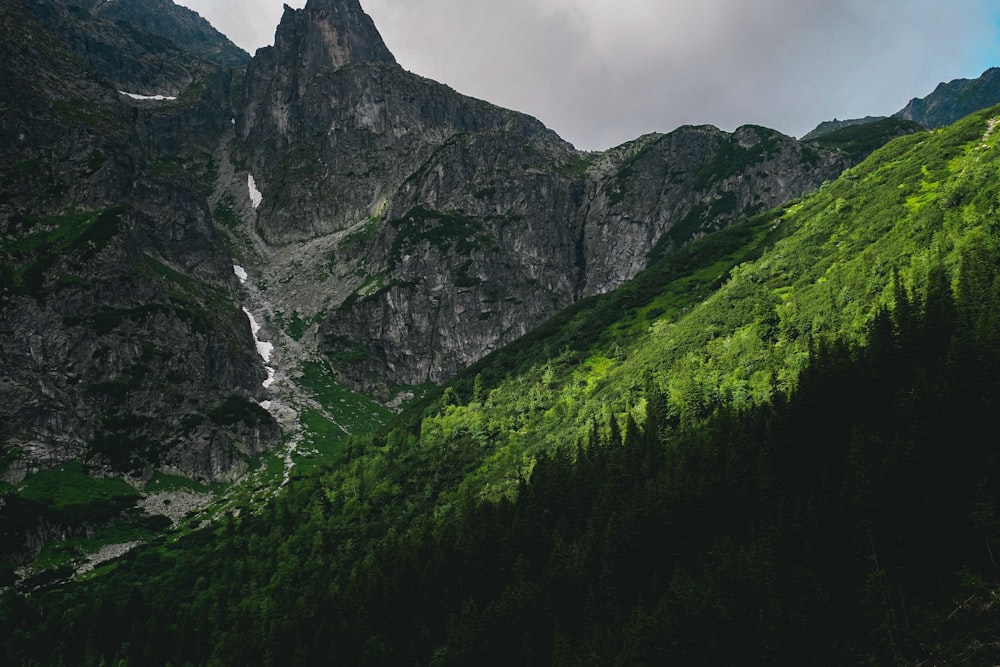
{"type": "Point", "coordinates": [178, 24]}
{"type": "Point", "coordinates": [947, 103]}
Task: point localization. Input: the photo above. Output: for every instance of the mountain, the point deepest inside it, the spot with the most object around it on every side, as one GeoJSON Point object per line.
{"type": "Point", "coordinates": [214, 265]}
{"type": "Point", "coordinates": [125, 351]}
{"type": "Point", "coordinates": [763, 449]}
{"type": "Point", "coordinates": [860, 139]}
{"type": "Point", "coordinates": [180, 25]}
{"type": "Point", "coordinates": [828, 126]}
{"type": "Point", "coordinates": [440, 227]}
{"type": "Point", "coordinates": [948, 103]}
{"type": "Point", "coordinates": [386, 229]}
{"type": "Point", "coordinates": [954, 100]}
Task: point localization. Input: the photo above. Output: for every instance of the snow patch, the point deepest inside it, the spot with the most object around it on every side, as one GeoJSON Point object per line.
{"type": "Point", "coordinates": [241, 273]}
{"type": "Point", "coordinates": [264, 349]}
{"type": "Point", "coordinates": [255, 195]}
{"type": "Point", "coordinates": [155, 98]}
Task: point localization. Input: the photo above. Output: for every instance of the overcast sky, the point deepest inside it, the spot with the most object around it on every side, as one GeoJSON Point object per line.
{"type": "Point", "coordinates": [601, 72]}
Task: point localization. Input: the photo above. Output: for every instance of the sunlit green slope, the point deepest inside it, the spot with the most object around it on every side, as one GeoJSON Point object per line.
{"type": "Point", "coordinates": [826, 264]}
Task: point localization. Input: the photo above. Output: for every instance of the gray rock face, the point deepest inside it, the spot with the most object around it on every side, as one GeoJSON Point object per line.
{"type": "Point", "coordinates": [123, 348]}
{"type": "Point", "coordinates": [330, 126]}
{"type": "Point", "coordinates": [179, 24]}
{"type": "Point", "coordinates": [494, 234]}
{"type": "Point", "coordinates": [459, 226]}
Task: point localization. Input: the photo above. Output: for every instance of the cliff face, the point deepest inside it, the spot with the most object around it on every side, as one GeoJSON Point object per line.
{"type": "Point", "coordinates": [451, 226]}
{"type": "Point", "coordinates": [178, 24]}
{"type": "Point", "coordinates": [453, 270]}
{"type": "Point", "coordinates": [121, 337]}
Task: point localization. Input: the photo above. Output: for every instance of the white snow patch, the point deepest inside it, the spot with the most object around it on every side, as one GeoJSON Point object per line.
{"type": "Point", "coordinates": [155, 98]}
{"type": "Point", "coordinates": [241, 273]}
{"type": "Point", "coordinates": [264, 349]}
{"type": "Point", "coordinates": [255, 195]}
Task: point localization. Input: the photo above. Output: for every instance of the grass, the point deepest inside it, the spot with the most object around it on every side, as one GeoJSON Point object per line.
{"type": "Point", "coordinates": [355, 411]}
{"type": "Point", "coordinates": [70, 485]}
{"type": "Point", "coordinates": [295, 325]}
{"type": "Point", "coordinates": [164, 482]}
{"type": "Point", "coordinates": [860, 140]}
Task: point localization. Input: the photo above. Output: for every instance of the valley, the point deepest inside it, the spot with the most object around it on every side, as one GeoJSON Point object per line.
{"type": "Point", "coordinates": [310, 359]}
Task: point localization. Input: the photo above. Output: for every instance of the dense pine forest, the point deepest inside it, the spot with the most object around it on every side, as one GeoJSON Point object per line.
{"type": "Point", "coordinates": [778, 445]}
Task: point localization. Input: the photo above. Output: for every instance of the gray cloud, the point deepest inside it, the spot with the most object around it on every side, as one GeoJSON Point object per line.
{"type": "Point", "coordinates": [601, 73]}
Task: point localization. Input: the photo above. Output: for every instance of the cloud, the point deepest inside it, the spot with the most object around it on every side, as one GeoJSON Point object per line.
{"type": "Point", "coordinates": [600, 73]}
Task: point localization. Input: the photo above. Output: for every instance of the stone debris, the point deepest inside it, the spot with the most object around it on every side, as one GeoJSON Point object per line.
{"type": "Point", "coordinates": [104, 554]}
{"type": "Point", "coordinates": [174, 505]}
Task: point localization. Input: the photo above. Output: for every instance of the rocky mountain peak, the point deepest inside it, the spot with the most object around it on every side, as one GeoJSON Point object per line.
{"type": "Point", "coordinates": [331, 34]}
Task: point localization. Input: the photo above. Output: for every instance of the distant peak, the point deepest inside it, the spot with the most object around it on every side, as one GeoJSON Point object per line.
{"type": "Point", "coordinates": [332, 33]}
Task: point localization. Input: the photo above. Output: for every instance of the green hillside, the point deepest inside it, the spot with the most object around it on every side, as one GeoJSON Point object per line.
{"type": "Point", "coordinates": [775, 446]}
{"type": "Point", "coordinates": [862, 139]}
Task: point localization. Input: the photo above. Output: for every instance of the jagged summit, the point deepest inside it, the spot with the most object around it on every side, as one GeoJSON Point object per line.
{"type": "Point", "coordinates": [331, 33]}
{"type": "Point", "coordinates": [953, 100]}
{"type": "Point", "coordinates": [946, 104]}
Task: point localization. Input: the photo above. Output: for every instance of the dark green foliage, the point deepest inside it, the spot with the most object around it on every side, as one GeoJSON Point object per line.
{"type": "Point", "coordinates": [863, 139]}
{"type": "Point", "coordinates": [95, 161]}
{"type": "Point", "coordinates": [42, 241]}
{"type": "Point", "coordinates": [343, 349]}
{"type": "Point", "coordinates": [225, 213]}
{"type": "Point", "coordinates": [732, 158]}
{"type": "Point", "coordinates": [442, 229]}
{"type": "Point", "coordinates": [70, 485]}
{"type": "Point", "coordinates": [462, 277]}
{"type": "Point", "coordinates": [238, 409]}
{"type": "Point", "coordinates": [124, 441]}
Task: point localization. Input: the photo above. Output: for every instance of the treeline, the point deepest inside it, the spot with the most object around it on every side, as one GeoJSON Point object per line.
{"type": "Point", "coordinates": [855, 521]}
